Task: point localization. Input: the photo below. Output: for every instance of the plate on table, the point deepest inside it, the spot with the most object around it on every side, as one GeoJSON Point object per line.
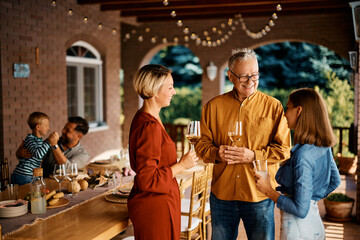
{"type": "Point", "coordinates": [61, 203]}
{"type": "Point", "coordinates": [107, 161]}
{"type": "Point", "coordinates": [12, 211]}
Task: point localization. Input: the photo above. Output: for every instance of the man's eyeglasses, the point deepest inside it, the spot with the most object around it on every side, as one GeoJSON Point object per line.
{"type": "Point", "coordinates": [244, 79]}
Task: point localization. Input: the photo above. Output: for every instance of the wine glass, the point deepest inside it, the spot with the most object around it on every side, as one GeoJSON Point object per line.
{"type": "Point", "coordinates": [72, 173]}
{"type": "Point", "coordinates": [235, 132]}
{"type": "Point", "coordinates": [193, 133]}
{"type": "Point", "coordinates": [59, 173]}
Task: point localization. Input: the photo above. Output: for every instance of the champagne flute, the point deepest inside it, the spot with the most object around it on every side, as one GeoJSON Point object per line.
{"type": "Point", "coordinates": [72, 173]}
{"type": "Point", "coordinates": [235, 132]}
{"type": "Point", "coordinates": [193, 133]}
{"type": "Point", "coordinates": [59, 173]}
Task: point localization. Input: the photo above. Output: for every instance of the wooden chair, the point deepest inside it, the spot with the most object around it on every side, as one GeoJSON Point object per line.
{"type": "Point", "coordinates": [206, 216]}
{"type": "Point", "coordinates": [191, 220]}
{"type": "Point", "coordinates": [5, 175]}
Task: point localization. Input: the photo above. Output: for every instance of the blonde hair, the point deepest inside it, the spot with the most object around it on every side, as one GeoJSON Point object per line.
{"type": "Point", "coordinates": [149, 79]}
{"type": "Point", "coordinates": [240, 55]}
{"type": "Point", "coordinates": [36, 118]}
{"type": "Point", "coordinates": [313, 124]}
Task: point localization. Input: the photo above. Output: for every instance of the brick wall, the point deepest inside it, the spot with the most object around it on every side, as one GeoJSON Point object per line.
{"type": "Point", "coordinates": [25, 25]}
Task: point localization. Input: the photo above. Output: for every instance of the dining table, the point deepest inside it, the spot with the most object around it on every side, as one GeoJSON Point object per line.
{"type": "Point", "coordinates": [87, 216]}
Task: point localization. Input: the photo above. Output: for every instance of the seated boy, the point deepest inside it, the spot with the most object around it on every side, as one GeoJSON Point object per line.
{"type": "Point", "coordinates": [39, 124]}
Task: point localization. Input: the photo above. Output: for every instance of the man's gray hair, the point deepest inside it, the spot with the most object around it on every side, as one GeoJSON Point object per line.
{"type": "Point", "coordinates": [240, 55]}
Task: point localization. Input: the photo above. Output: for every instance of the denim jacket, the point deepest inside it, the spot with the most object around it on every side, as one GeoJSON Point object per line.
{"type": "Point", "coordinates": [310, 174]}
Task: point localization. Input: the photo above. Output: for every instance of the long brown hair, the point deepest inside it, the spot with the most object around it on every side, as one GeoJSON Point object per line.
{"type": "Point", "coordinates": [313, 124]}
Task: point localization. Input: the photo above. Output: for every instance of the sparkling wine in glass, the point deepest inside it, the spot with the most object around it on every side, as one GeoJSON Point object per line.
{"type": "Point", "coordinates": [59, 173]}
{"type": "Point", "coordinates": [72, 173]}
{"type": "Point", "coordinates": [193, 133]}
{"type": "Point", "coordinates": [235, 132]}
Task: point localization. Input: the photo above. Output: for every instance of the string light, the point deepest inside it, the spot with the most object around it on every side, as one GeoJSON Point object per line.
{"type": "Point", "coordinates": [166, 2]}
{"type": "Point", "coordinates": [173, 14]}
{"type": "Point", "coordinates": [179, 23]}
{"type": "Point", "coordinates": [278, 7]}
{"type": "Point", "coordinates": [70, 12]}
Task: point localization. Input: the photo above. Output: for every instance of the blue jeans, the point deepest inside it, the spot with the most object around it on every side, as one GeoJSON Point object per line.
{"type": "Point", "coordinates": [258, 218]}
{"type": "Point", "coordinates": [20, 179]}
{"type": "Point", "coordinates": [311, 227]}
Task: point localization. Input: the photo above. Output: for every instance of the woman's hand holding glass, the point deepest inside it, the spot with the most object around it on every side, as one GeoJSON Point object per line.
{"type": "Point", "coordinates": [59, 173]}
{"type": "Point", "coordinates": [189, 160]}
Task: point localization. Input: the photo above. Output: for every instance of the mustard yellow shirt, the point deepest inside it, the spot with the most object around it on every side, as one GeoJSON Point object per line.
{"type": "Point", "coordinates": [264, 131]}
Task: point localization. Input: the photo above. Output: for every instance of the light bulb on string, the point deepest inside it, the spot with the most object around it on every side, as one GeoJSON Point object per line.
{"type": "Point", "coordinates": [173, 14]}
{"type": "Point", "coordinates": [127, 35]}
{"type": "Point", "coordinates": [271, 23]}
{"type": "Point", "coordinates": [219, 32]}
{"type": "Point", "coordinates": [179, 23]}
{"type": "Point", "coordinates": [263, 32]}
{"type": "Point", "coordinates": [153, 39]}
{"type": "Point", "coordinates": [267, 28]}
{"type": "Point", "coordinates": [85, 19]}
{"type": "Point", "coordinates": [198, 41]}
{"type": "Point", "coordinates": [206, 33]}
{"type": "Point", "coordinates": [274, 16]}
{"type": "Point", "coordinates": [147, 29]}
{"type": "Point", "coordinates": [193, 36]}
{"type": "Point", "coordinates": [213, 29]}
{"type": "Point", "coordinates": [140, 38]}
{"type": "Point", "coordinates": [186, 38]}
{"type": "Point", "coordinates": [233, 28]}
{"type": "Point", "coordinates": [186, 30]}
{"type": "Point", "coordinates": [100, 26]}
{"type": "Point", "coordinates": [176, 40]}
{"type": "Point", "coordinates": [278, 7]}
{"type": "Point", "coordinates": [70, 12]}
{"type": "Point", "coordinates": [166, 2]}
{"type": "Point", "coordinates": [133, 31]}
{"type": "Point", "coordinates": [53, 3]}
{"type": "Point", "coordinates": [114, 31]}
{"type": "Point", "coordinates": [230, 33]}
{"type": "Point", "coordinates": [164, 40]}
{"type": "Point", "coordinates": [208, 38]}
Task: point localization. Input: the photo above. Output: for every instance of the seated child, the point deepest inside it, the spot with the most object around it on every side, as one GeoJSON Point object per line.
{"type": "Point", "coordinates": [39, 124]}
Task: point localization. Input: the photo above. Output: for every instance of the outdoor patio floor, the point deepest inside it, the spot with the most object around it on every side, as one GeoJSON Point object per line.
{"type": "Point", "coordinates": [334, 230]}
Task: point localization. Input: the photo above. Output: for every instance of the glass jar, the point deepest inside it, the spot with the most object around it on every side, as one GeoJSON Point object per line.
{"type": "Point", "coordinates": [38, 192]}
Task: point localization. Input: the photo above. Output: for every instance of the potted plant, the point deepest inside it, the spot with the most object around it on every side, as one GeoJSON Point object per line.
{"type": "Point", "coordinates": [347, 165]}
{"type": "Point", "coordinates": [338, 207]}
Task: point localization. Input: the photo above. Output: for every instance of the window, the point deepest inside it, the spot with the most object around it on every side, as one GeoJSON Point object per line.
{"type": "Point", "coordinates": [84, 83]}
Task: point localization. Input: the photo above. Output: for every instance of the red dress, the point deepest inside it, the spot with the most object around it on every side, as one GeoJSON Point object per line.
{"type": "Point", "coordinates": [154, 201]}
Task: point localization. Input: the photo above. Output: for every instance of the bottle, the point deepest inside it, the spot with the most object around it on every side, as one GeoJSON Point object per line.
{"type": "Point", "coordinates": [38, 192]}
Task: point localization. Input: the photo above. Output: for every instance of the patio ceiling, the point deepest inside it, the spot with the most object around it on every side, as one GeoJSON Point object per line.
{"type": "Point", "coordinates": [154, 10]}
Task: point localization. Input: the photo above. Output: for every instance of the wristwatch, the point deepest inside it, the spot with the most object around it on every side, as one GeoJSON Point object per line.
{"type": "Point", "coordinates": [54, 147]}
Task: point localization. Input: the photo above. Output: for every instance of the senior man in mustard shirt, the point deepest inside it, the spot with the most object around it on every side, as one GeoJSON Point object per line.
{"type": "Point", "coordinates": [265, 135]}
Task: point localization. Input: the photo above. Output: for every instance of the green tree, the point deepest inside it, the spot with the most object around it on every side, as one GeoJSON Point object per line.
{"type": "Point", "coordinates": [185, 105]}
{"type": "Point", "coordinates": [339, 98]}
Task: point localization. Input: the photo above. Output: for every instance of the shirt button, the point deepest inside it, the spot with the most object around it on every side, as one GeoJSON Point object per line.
{"type": "Point", "coordinates": [237, 176]}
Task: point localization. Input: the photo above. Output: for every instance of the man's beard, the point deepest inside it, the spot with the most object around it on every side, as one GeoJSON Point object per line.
{"type": "Point", "coordinates": [64, 140]}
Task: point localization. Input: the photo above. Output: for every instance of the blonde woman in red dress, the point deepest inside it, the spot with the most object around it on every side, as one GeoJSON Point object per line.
{"type": "Point", "coordinates": [154, 201]}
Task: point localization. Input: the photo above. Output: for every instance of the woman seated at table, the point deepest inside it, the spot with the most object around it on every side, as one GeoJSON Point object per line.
{"type": "Point", "coordinates": [154, 201]}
